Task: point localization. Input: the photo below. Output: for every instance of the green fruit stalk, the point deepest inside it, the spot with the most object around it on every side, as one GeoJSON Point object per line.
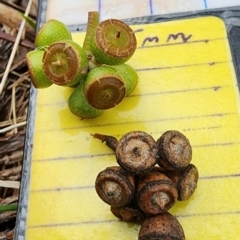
{"type": "Point", "coordinates": [113, 42]}
{"type": "Point", "coordinates": [104, 88]}
{"type": "Point", "coordinates": [92, 23]}
{"type": "Point", "coordinates": [50, 32]}
{"type": "Point", "coordinates": [79, 106]}
{"type": "Point", "coordinates": [129, 76]}
{"type": "Point", "coordinates": [65, 63]}
{"type": "Point", "coordinates": [38, 77]}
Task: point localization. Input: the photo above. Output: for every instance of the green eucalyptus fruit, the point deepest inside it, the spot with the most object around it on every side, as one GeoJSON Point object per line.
{"type": "Point", "coordinates": [34, 62]}
{"type": "Point", "coordinates": [79, 106]}
{"type": "Point", "coordinates": [65, 63]}
{"type": "Point", "coordinates": [50, 32]}
{"type": "Point", "coordinates": [103, 87]}
{"type": "Point", "coordinates": [113, 42]}
{"type": "Point", "coordinates": [129, 75]}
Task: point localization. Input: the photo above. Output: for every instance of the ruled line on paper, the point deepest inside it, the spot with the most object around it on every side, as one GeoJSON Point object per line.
{"type": "Point", "coordinates": [209, 214]}
{"type": "Point", "coordinates": [236, 175]}
{"type": "Point", "coordinates": [212, 115]}
{"type": "Point", "coordinates": [68, 224]}
{"type": "Point", "coordinates": [182, 66]}
{"type": "Point", "coordinates": [72, 224]}
{"type": "Point", "coordinates": [60, 188]}
{"type": "Point", "coordinates": [216, 144]}
{"type": "Point", "coordinates": [83, 187]}
{"type": "Point", "coordinates": [80, 157]}
{"type": "Point", "coordinates": [214, 88]}
{"type": "Point", "coordinates": [77, 157]}
{"type": "Point", "coordinates": [202, 128]}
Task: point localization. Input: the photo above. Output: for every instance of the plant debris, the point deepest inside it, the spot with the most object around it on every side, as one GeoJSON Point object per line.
{"type": "Point", "coordinates": [14, 99]}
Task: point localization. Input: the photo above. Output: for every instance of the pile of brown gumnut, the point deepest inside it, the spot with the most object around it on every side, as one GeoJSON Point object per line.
{"type": "Point", "coordinates": [150, 177]}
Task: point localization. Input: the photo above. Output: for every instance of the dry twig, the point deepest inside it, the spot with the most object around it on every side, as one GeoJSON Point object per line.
{"type": "Point", "coordinates": [15, 47]}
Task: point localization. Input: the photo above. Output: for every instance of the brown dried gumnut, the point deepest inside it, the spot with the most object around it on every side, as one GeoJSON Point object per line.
{"type": "Point", "coordinates": [136, 152]}
{"type": "Point", "coordinates": [186, 181]}
{"type": "Point", "coordinates": [115, 186]}
{"type": "Point", "coordinates": [174, 150]}
{"type": "Point", "coordinates": [156, 193]}
{"type": "Point", "coordinates": [163, 226]}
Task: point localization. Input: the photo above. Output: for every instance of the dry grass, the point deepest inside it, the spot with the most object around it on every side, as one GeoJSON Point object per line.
{"type": "Point", "coordinates": [14, 98]}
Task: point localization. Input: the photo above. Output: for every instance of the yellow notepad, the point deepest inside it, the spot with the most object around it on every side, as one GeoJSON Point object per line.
{"type": "Point", "coordinates": [187, 82]}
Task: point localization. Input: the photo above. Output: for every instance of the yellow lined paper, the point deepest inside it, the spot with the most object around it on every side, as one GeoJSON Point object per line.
{"type": "Point", "coordinates": [186, 82]}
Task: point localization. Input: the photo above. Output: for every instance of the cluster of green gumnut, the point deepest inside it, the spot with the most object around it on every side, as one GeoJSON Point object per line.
{"type": "Point", "coordinates": [96, 71]}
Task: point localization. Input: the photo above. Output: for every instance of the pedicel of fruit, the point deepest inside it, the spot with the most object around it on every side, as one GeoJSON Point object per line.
{"type": "Point", "coordinates": [34, 62]}
{"type": "Point", "coordinates": [65, 63]}
{"type": "Point", "coordinates": [174, 150]}
{"type": "Point", "coordinates": [51, 31]}
{"type": "Point", "coordinates": [156, 193]}
{"type": "Point", "coordinates": [115, 186]}
{"type": "Point", "coordinates": [92, 23]}
{"type": "Point", "coordinates": [79, 106]}
{"type": "Point", "coordinates": [136, 152]}
{"type": "Point", "coordinates": [104, 88]}
{"type": "Point", "coordinates": [113, 42]}
{"type": "Point", "coordinates": [110, 141]}
{"type": "Point", "coordinates": [162, 226]}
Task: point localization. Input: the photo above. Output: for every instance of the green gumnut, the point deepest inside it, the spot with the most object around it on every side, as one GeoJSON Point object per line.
{"type": "Point", "coordinates": [113, 42]}
{"type": "Point", "coordinates": [65, 63]}
{"type": "Point", "coordinates": [129, 76]}
{"type": "Point", "coordinates": [79, 106]}
{"type": "Point", "coordinates": [50, 32]}
{"type": "Point", "coordinates": [34, 62]}
{"type": "Point", "coordinates": [103, 87]}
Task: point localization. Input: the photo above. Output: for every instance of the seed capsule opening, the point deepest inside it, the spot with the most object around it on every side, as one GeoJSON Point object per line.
{"type": "Point", "coordinates": [60, 63]}
{"type": "Point", "coordinates": [120, 35]}
{"type": "Point", "coordinates": [157, 196]}
{"type": "Point", "coordinates": [113, 42]}
{"type": "Point", "coordinates": [115, 187]}
{"type": "Point", "coordinates": [65, 63]}
{"type": "Point", "coordinates": [105, 92]}
{"type": "Point", "coordinates": [174, 150]}
{"type": "Point", "coordinates": [136, 152]}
